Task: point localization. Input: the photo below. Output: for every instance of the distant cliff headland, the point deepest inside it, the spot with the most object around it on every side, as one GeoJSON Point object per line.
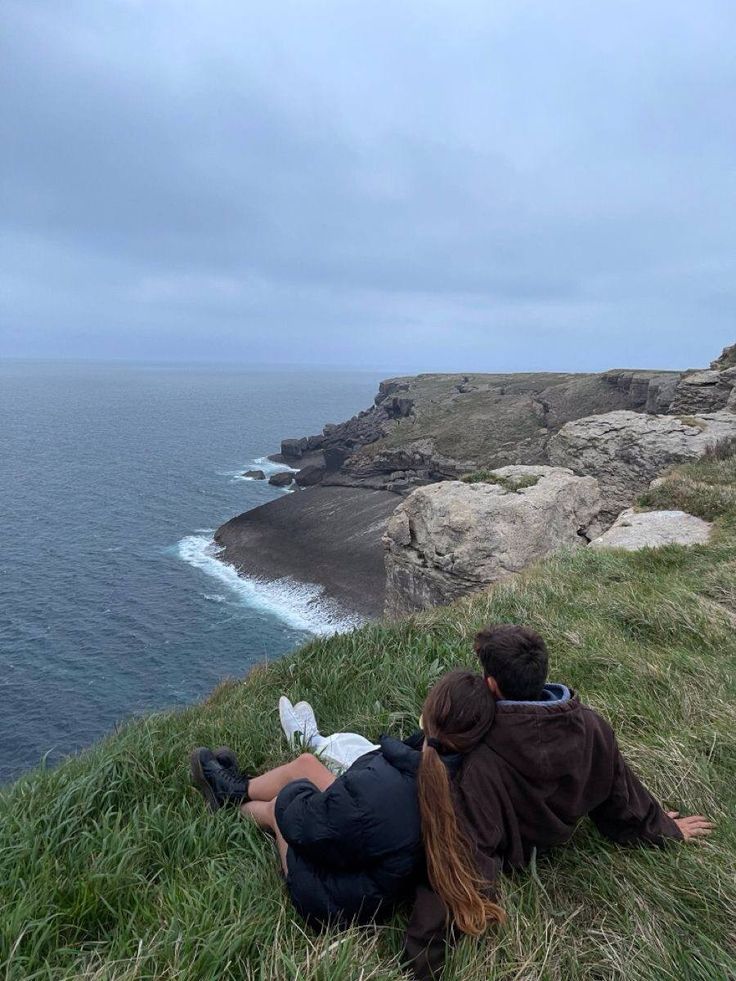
{"type": "Point", "coordinates": [621, 428]}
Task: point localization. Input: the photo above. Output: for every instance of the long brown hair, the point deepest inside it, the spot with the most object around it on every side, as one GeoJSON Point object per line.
{"type": "Point", "coordinates": [457, 713]}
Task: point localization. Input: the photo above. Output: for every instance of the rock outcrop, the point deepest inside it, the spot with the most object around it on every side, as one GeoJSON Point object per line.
{"type": "Point", "coordinates": [633, 530]}
{"type": "Point", "coordinates": [328, 536]}
{"type": "Point", "coordinates": [703, 391]}
{"type": "Point", "coordinates": [255, 475]}
{"type": "Point", "coordinates": [451, 538]}
{"type": "Point", "coordinates": [284, 478]}
{"type": "Point", "coordinates": [310, 475]}
{"type": "Point", "coordinates": [624, 450]}
{"type": "Point", "coordinates": [726, 359]}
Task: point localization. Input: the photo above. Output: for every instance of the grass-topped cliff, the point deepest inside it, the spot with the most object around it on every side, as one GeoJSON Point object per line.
{"type": "Point", "coordinates": [110, 868]}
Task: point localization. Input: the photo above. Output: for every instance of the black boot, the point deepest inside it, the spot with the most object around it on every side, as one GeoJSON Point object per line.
{"type": "Point", "coordinates": [218, 784]}
{"type": "Point", "coordinates": [228, 759]}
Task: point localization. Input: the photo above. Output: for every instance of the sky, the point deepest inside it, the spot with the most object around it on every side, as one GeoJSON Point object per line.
{"type": "Point", "coordinates": [506, 185]}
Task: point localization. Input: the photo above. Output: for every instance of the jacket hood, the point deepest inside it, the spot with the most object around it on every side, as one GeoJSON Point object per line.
{"type": "Point", "coordinates": [540, 740]}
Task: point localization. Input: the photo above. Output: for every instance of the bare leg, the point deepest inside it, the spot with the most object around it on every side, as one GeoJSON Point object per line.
{"type": "Point", "coordinates": [267, 786]}
{"type": "Point", "coordinates": [263, 813]}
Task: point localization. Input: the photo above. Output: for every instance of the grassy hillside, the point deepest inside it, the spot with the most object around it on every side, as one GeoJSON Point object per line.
{"type": "Point", "coordinates": [110, 868]}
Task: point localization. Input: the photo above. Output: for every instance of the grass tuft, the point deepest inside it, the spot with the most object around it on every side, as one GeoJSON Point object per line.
{"type": "Point", "coordinates": [510, 484]}
{"type": "Point", "coordinates": [111, 870]}
{"type": "Point", "coordinates": [692, 421]}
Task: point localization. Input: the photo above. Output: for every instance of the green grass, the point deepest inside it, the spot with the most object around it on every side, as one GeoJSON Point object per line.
{"type": "Point", "coordinates": [692, 421]}
{"type": "Point", "coordinates": [110, 868]}
{"type": "Point", "coordinates": [511, 484]}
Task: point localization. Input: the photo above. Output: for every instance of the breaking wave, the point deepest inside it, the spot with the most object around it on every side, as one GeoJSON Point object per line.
{"type": "Point", "coordinates": [303, 606]}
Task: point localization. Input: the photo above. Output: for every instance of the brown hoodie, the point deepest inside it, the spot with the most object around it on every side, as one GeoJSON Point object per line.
{"type": "Point", "coordinates": [541, 768]}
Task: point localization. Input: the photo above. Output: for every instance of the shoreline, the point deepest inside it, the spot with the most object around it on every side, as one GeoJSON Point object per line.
{"type": "Point", "coordinates": [302, 606]}
{"type": "Point", "coordinates": [323, 537]}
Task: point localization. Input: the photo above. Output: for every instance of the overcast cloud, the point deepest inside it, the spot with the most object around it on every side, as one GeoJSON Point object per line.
{"type": "Point", "coordinates": [400, 185]}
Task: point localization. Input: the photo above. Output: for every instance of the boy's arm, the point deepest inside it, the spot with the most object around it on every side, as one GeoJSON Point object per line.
{"type": "Point", "coordinates": [427, 935]}
{"type": "Point", "coordinates": [630, 814]}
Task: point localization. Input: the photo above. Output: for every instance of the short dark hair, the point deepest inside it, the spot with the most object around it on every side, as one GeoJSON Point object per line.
{"type": "Point", "coordinates": [516, 657]}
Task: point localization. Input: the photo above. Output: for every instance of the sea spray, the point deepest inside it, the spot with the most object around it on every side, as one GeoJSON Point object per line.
{"type": "Point", "coordinates": [263, 463]}
{"type": "Point", "coordinates": [303, 606]}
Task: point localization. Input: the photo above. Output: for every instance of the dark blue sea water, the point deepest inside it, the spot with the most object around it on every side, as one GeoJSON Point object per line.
{"type": "Point", "coordinates": [112, 479]}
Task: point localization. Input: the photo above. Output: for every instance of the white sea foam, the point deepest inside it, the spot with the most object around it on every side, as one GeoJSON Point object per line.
{"type": "Point", "coordinates": [259, 463]}
{"type": "Point", "coordinates": [263, 463]}
{"type": "Point", "coordinates": [302, 605]}
{"type": "Point", "coordinates": [239, 476]}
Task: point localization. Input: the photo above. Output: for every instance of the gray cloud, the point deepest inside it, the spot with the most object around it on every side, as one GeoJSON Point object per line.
{"type": "Point", "coordinates": [412, 186]}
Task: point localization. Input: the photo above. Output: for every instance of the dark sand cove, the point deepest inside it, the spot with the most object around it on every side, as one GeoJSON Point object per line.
{"type": "Point", "coordinates": [325, 535]}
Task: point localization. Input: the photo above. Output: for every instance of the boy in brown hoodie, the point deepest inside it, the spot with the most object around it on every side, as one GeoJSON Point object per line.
{"type": "Point", "coordinates": [547, 761]}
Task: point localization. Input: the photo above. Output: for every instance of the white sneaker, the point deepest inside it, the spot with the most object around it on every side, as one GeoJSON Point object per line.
{"type": "Point", "coordinates": [305, 712]}
{"type": "Point", "coordinates": [297, 729]}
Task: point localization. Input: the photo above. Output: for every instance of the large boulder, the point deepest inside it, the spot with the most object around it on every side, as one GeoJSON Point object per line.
{"type": "Point", "coordinates": [625, 450]}
{"type": "Point", "coordinates": [703, 391]}
{"type": "Point", "coordinates": [284, 478]}
{"type": "Point", "coordinates": [294, 449]}
{"type": "Point", "coordinates": [633, 530]}
{"type": "Point", "coordinates": [311, 474]}
{"type": "Point", "coordinates": [452, 538]}
{"type": "Point", "coordinates": [255, 475]}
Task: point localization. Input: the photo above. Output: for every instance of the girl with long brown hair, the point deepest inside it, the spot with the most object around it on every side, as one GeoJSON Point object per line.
{"type": "Point", "coordinates": [457, 714]}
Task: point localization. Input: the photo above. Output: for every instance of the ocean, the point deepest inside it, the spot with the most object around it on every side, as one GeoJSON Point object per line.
{"type": "Point", "coordinates": [113, 478]}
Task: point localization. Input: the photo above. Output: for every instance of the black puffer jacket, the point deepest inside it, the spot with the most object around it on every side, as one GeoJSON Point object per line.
{"type": "Point", "coordinates": [355, 849]}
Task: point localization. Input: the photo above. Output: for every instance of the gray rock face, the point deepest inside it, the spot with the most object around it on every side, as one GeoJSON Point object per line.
{"type": "Point", "coordinates": [726, 359]}
{"type": "Point", "coordinates": [633, 530]}
{"type": "Point", "coordinates": [703, 391]}
{"type": "Point", "coordinates": [281, 479]}
{"type": "Point", "coordinates": [453, 538]}
{"type": "Point", "coordinates": [624, 451]}
{"type": "Point", "coordinates": [310, 475]}
{"type": "Point", "coordinates": [398, 469]}
{"type": "Point", "coordinates": [255, 474]}
{"type": "Point", "coordinates": [294, 449]}
{"type": "Point", "coordinates": [661, 393]}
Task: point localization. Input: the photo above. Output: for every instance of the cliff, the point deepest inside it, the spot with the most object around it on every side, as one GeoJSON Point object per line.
{"type": "Point", "coordinates": [622, 428]}
{"type": "Point", "coordinates": [436, 427]}
{"type": "Point", "coordinates": [419, 430]}
{"type": "Point", "coordinates": [327, 535]}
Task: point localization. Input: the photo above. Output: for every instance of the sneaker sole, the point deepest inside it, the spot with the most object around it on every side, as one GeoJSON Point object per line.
{"type": "Point", "coordinates": [200, 780]}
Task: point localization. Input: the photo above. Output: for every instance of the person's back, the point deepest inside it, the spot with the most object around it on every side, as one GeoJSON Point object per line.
{"type": "Point", "coordinates": [543, 767]}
